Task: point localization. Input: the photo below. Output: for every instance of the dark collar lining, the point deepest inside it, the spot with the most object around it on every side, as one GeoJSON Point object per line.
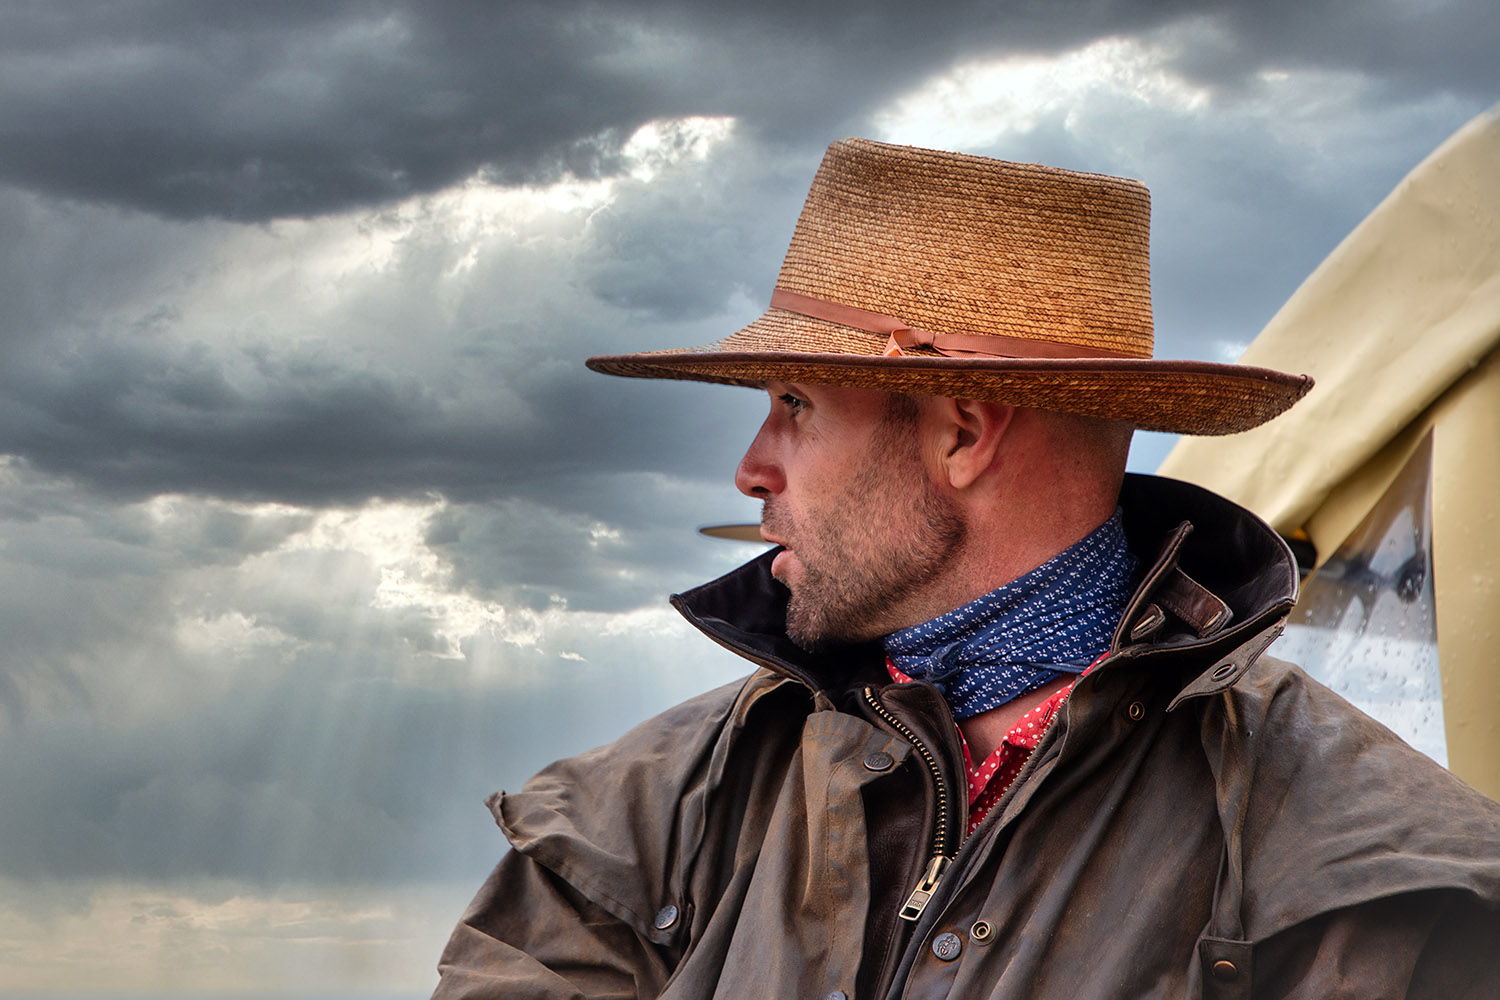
{"type": "Point", "coordinates": [1228, 553]}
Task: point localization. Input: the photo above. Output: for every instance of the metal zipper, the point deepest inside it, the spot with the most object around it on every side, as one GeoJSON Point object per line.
{"type": "Point", "coordinates": [998, 808]}
{"type": "Point", "coordinates": [941, 857]}
{"type": "Point", "coordinates": [925, 890]}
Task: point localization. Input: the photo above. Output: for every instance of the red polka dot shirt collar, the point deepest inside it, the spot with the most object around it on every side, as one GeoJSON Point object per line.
{"type": "Point", "coordinates": [989, 779]}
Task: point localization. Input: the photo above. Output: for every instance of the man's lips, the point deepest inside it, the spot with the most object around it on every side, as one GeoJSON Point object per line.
{"type": "Point", "coordinates": [782, 560]}
{"type": "Point", "coordinates": [769, 533]}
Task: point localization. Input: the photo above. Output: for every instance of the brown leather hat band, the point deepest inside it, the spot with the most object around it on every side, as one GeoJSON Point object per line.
{"type": "Point", "coordinates": [949, 344]}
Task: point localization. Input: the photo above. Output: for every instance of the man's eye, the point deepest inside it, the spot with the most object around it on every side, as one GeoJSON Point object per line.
{"type": "Point", "coordinates": [792, 402]}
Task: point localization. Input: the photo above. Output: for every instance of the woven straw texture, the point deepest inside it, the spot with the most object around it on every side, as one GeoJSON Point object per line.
{"type": "Point", "coordinates": [966, 245]}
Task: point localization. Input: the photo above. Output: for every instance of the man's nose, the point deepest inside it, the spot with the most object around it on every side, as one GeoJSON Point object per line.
{"type": "Point", "coordinates": [759, 475]}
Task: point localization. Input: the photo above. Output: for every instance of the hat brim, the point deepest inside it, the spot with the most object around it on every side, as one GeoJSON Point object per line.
{"type": "Point", "coordinates": [1180, 397]}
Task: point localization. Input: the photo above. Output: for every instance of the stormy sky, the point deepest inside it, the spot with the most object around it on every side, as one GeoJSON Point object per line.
{"type": "Point", "coordinates": [314, 529]}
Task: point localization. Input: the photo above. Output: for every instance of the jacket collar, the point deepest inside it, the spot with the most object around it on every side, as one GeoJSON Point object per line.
{"type": "Point", "coordinates": [1216, 574]}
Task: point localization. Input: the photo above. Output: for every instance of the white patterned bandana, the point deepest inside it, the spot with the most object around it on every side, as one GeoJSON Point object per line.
{"type": "Point", "coordinates": [1054, 620]}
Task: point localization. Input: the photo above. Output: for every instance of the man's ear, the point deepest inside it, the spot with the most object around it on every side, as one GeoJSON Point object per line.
{"type": "Point", "coordinates": [969, 436]}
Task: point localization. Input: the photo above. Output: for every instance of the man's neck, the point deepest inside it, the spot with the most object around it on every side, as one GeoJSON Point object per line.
{"type": "Point", "coordinates": [985, 731]}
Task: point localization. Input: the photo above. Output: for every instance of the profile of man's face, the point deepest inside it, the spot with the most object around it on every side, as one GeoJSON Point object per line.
{"type": "Point", "coordinates": [846, 492]}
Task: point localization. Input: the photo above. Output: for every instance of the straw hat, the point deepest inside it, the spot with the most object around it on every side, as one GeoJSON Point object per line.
{"type": "Point", "coordinates": [920, 271]}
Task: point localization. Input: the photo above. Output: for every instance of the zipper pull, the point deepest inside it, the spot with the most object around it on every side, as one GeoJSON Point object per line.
{"type": "Point", "coordinates": [917, 901]}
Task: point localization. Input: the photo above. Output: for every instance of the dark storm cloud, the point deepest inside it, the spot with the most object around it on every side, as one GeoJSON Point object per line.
{"type": "Point", "coordinates": [119, 385]}
{"type": "Point", "coordinates": [189, 110]}
{"type": "Point", "coordinates": [1413, 45]}
{"type": "Point", "coordinates": [682, 251]}
{"type": "Point", "coordinates": [133, 423]}
{"type": "Point", "coordinates": [265, 110]}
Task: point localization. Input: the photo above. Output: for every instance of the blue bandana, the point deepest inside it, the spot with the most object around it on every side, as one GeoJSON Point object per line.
{"type": "Point", "coordinates": [1054, 620]}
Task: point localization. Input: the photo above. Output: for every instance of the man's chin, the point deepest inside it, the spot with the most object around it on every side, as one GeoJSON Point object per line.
{"type": "Point", "coordinates": [813, 632]}
{"type": "Point", "coordinates": [808, 643]}
{"type": "Point", "coordinates": [801, 627]}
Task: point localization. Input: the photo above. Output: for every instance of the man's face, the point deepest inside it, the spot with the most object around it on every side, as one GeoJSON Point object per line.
{"type": "Point", "coordinates": [847, 493]}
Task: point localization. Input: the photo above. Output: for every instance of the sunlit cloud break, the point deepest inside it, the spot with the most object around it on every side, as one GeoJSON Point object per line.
{"type": "Point", "coordinates": [976, 103]}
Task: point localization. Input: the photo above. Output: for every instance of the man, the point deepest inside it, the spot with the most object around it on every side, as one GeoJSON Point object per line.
{"type": "Point", "coordinates": [1012, 731]}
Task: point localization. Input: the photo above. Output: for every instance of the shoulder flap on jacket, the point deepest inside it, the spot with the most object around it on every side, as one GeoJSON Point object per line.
{"type": "Point", "coordinates": [1323, 807]}
{"type": "Point", "coordinates": [622, 823]}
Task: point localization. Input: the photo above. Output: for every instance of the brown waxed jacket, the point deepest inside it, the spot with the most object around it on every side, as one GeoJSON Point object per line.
{"type": "Point", "coordinates": [1200, 820]}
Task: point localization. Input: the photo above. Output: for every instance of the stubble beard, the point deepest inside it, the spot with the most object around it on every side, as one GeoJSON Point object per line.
{"type": "Point", "coordinates": [864, 554]}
